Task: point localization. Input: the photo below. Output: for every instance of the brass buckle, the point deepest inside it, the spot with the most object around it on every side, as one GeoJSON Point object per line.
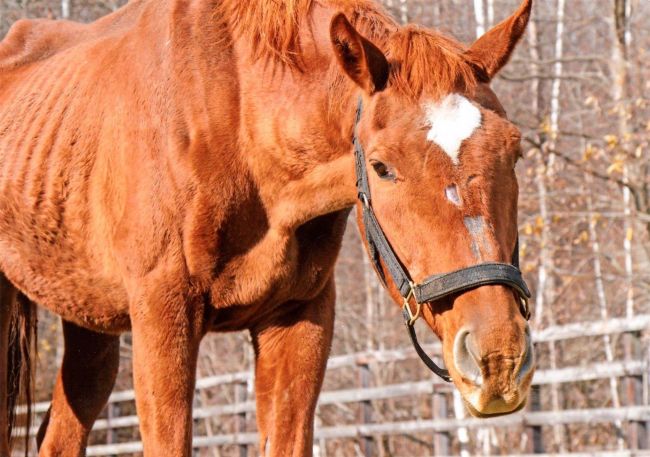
{"type": "Point", "coordinates": [525, 306]}
{"type": "Point", "coordinates": [364, 199]}
{"type": "Point", "coordinates": [407, 307]}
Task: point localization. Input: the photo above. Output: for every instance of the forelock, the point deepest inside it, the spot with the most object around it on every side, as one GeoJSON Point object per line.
{"type": "Point", "coordinates": [427, 64]}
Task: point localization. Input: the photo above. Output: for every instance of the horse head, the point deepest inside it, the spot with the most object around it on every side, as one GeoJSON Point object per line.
{"type": "Point", "coordinates": [437, 159]}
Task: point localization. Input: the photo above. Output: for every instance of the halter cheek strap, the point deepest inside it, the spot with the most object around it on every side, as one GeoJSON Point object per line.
{"type": "Point", "coordinates": [433, 288]}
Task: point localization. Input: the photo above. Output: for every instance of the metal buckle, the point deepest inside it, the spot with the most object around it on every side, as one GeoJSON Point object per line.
{"type": "Point", "coordinates": [407, 307]}
{"type": "Point", "coordinates": [524, 303]}
{"type": "Point", "coordinates": [364, 199]}
{"type": "Point", "coordinates": [525, 307]}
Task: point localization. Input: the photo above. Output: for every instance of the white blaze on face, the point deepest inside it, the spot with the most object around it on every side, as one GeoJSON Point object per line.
{"type": "Point", "coordinates": [476, 227]}
{"type": "Point", "coordinates": [452, 120]}
{"type": "Point", "coordinates": [453, 196]}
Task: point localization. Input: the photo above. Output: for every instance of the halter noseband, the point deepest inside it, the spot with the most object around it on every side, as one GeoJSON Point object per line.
{"type": "Point", "coordinates": [434, 287]}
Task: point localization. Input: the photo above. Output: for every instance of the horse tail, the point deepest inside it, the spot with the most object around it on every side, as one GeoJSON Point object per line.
{"type": "Point", "coordinates": [20, 366]}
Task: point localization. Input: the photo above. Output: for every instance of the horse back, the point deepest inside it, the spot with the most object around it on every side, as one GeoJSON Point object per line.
{"type": "Point", "coordinates": [33, 40]}
{"type": "Point", "coordinates": [119, 151]}
{"type": "Point", "coordinates": [80, 128]}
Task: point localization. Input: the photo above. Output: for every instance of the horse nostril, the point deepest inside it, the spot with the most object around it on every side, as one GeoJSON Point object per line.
{"type": "Point", "coordinates": [466, 357]}
{"type": "Point", "coordinates": [529, 358]}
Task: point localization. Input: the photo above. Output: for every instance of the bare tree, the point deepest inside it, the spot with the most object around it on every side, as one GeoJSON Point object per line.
{"type": "Point", "coordinates": [65, 8]}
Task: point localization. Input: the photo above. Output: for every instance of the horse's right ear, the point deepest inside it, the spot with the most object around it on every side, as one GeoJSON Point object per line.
{"type": "Point", "coordinates": [491, 52]}
{"type": "Point", "coordinates": [361, 60]}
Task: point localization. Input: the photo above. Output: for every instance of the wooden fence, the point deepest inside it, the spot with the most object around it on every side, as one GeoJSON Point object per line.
{"type": "Point", "coordinates": [634, 415]}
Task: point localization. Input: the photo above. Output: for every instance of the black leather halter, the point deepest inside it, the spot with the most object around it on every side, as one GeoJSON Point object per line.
{"type": "Point", "coordinates": [434, 287]}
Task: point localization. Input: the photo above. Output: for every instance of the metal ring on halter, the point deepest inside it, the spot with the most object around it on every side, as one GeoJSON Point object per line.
{"type": "Point", "coordinates": [525, 306]}
{"type": "Point", "coordinates": [407, 307]}
{"type": "Point", "coordinates": [364, 199]}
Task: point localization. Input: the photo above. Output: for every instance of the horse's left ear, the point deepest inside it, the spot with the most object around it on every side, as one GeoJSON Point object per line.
{"type": "Point", "coordinates": [491, 52]}
{"type": "Point", "coordinates": [361, 60]}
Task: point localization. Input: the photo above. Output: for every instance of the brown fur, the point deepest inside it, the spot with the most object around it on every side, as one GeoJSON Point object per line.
{"type": "Point", "coordinates": [185, 166]}
{"type": "Point", "coordinates": [428, 64]}
{"type": "Point", "coordinates": [273, 28]}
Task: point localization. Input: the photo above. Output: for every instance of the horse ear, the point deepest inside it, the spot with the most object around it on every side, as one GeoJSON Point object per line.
{"type": "Point", "coordinates": [361, 60]}
{"type": "Point", "coordinates": [491, 52]}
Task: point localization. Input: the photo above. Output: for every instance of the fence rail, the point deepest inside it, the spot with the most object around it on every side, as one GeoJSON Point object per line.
{"type": "Point", "coordinates": [584, 416]}
{"type": "Point", "coordinates": [628, 369]}
{"type": "Point", "coordinates": [554, 333]}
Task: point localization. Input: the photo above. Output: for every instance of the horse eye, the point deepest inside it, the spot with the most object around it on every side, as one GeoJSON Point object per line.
{"type": "Point", "coordinates": [383, 171]}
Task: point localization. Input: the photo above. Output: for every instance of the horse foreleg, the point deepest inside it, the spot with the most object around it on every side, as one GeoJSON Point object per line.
{"type": "Point", "coordinates": [291, 356]}
{"type": "Point", "coordinates": [84, 382]}
{"type": "Point", "coordinates": [167, 331]}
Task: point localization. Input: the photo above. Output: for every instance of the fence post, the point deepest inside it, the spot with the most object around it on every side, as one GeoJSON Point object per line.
{"type": "Point", "coordinates": [241, 394]}
{"type": "Point", "coordinates": [535, 437]}
{"type": "Point", "coordinates": [110, 413]}
{"type": "Point", "coordinates": [320, 449]}
{"type": "Point", "coordinates": [644, 391]}
{"type": "Point", "coordinates": [645, 343]}
{"type": "Point", "coordinates": [367, 447]}
{"type": "Point", "coordinates": [633, 391]}
{"type": "Point", "coordinates": [112, 410]}
{"type": "Point", "coordinates": [441, 439]}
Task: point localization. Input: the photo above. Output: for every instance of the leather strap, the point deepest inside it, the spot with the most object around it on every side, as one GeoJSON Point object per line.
{"type": "Point", "coordinates": [380, 249]}
{"type": "Point", "coordinates": [440, 286]}
{"type": "Point", "coordinates": [444, 374]}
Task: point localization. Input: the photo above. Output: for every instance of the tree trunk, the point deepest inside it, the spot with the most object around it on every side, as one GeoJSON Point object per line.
{"type": "Point", "coordinates": [479, 15]}
{"type": "Point", "coordinates": [65, 9]}
{"type": "Point", "coordinates": [490, 14]}
{"type": "Point", "coordinates": [546, 285]}
{"type": "Point", "coordinates": [462, 432]}
{"type": "Point", "coordinates": [619, 66]}
{"type": "Point", "coordinates": [602, 302]}
{"type": "Point", "coordinates": [404, 11]}
{"type": "Point", "coordinates": [369, 280]}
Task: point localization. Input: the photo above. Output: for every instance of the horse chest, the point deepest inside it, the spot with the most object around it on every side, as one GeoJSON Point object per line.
{"type": "Point", "coordinates": [316, 245]}
{"type": "Point", "coordinates": [280, 269]}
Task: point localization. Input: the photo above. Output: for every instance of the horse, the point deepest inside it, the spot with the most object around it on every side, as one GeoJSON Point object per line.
{"type": "Point", "coordinates": [186, 166]}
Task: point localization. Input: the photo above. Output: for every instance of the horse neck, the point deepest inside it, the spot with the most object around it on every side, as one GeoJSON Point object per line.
{"type": "Point", "coordinates": [296, 134]}
{"type": "Point", "coordinates": [294, 125]}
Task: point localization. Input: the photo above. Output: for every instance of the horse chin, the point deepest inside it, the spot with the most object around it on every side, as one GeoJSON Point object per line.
{"type": "Point", "coordinates": [487, 415]}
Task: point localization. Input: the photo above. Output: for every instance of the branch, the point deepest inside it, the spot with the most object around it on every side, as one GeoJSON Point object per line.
{"type": "Point", "coordinates": [568, 59]}
{"type": "Point", "coordinates": [583, 77]}
{"type": "Point", "coordinates": [590, 171]}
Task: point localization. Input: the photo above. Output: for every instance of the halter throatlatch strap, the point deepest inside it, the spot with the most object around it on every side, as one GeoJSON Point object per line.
{"type": "Point", "coordinates": [435, 287]}
{"type": "Point", "coordinates": [431, 365]}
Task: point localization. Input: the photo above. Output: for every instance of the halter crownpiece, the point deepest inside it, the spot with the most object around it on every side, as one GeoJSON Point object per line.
{"type": "Point", "coordinates": [434, 287]}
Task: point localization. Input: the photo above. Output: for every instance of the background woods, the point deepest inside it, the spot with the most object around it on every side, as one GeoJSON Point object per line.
{"type": "Point", "coordinates": [579, 88]}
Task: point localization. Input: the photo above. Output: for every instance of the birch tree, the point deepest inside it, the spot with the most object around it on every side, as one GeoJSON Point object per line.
{"type": "Point", "coordinates": [602, 301]}
{"type": "Point", "coordinates": [404, 11]}
{"type": "Point", "coordinates": [622, 42]}
{"type": "Point", "coordinates": [479, 14]}
{"type": "Point", "coordinates": [546, 287]}
{"type": "Point", "coordinates": [65, 9]}
{"type": "Point", "coordinates": [490, 14]}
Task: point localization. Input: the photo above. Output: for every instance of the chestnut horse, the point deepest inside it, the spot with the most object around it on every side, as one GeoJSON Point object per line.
{"type": "Point", "coordinates": [185, 166]}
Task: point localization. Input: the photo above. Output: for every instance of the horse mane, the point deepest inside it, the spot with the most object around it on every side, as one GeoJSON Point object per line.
{"type": "Point", "coordinates": [423, 62]}
{"type": "Point", "coordinates": [427, 63]}
{"type": "Point", "coordinates": [271, 26]}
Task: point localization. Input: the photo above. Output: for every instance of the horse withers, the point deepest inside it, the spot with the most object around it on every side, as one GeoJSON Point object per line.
{"type": "Point", "coordinates": [186, 166]}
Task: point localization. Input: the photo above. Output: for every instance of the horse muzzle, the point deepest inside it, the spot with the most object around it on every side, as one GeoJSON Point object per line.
{"type": "Point", "coordinates": [494, 381]}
